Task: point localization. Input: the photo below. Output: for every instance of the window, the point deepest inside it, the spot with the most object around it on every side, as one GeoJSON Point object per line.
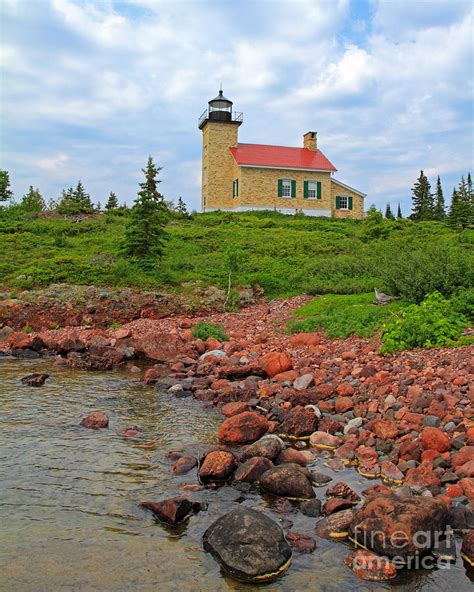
{"type": "Point", "coordinates": [235, 188]}
{"type": "Point", "coordinates": [312, 189]}
{"type": "Point", "coordinates": [344, 202]}
{"type": "Point", "coordinates": [286, 188]}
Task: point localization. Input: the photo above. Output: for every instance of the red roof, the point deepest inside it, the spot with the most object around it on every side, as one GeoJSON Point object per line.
{"type": "Point", "coordinates": [281, 157]}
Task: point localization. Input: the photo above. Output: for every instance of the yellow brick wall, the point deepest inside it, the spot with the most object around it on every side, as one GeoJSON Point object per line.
{"type": "Point", "coordinates": [218, 165]}
{"type": "Point", "coordinates": [357, 202]}
{"type": "Point", "coordinates": [259, 188]}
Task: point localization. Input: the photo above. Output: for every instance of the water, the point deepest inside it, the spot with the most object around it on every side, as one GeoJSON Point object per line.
{"type": "Point", "coordinates": [69, 497]}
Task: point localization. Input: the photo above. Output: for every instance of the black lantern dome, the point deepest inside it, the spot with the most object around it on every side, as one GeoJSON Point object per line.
{"type": "Point", "coordinates": [220, 109]}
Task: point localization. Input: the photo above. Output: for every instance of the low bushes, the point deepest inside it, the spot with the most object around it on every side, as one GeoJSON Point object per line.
{"type": "Point", "coordinates": [204, 329]}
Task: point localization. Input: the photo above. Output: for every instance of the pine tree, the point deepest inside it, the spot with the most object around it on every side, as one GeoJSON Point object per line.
{"type": "Point", "coordinates": [98, 207]}
{"type": "Point", "coordinates": [181, 207]}
{"type": "Point", "coordinates": [32, 201]}
{"type": "Point", "coordinates": [439, 212]}
{"type": "Point", "coordinates": [399, 213]}
{"type": "Point", "coordinates": [112, 202]}
{"type": "Point", "coordinates": [145, 234]}
{"type": "Point", "coordinates": [5, 192]}
{"type": "Point", "coordinates": [422, 199]}
{"type": "Point", "coordinates": [82, 198]}
{"type": "Point", "coordinates": [461, 211]}
{"type": "Point", "coordinates": [388, 213]}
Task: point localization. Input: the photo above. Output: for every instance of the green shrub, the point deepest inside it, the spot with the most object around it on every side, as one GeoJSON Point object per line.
{"type": "Point", "coordinates": [204, 329]}
{"type": "Point", "coordinates": [434, 322]}
{"type": "Point", "coordinates": [341, 316]}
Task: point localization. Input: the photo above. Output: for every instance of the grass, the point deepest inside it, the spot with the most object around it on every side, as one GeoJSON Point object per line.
{"type": "Point", "coordinates": [204, 329]}
{"type": "Point", "coordinates": [342, 316]}
{"type": "Point", "coordinates": [285, 255]}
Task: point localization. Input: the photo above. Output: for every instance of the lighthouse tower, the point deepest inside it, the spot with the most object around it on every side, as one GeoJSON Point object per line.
{"type": "Point", "coordinates": [219, 124]}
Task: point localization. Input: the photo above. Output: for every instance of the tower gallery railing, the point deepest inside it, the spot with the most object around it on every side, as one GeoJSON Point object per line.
{"type": "Point", "coordinates": [220, 116]}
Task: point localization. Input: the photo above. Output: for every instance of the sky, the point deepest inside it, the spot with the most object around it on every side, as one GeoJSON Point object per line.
{"type": "Point", "coordinates": [89, 89]}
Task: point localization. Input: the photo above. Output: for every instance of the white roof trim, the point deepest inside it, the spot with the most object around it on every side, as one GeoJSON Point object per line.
{"type": "Point", "coordinates": [348, 187]}
{"type": "Point", "coordinates": [281, 168]}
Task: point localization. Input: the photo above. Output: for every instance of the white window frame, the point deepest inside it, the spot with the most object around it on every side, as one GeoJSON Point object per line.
{"type": "Point", "coordinates": [312, 189]}
{"type": "Point", "coordinates": [346, 198]}
{"type": "Point", "coordinates": [286, 186]}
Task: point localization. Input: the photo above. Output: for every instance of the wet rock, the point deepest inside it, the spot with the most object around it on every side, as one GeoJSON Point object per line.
{"type": "Point", "coordinates": [268, 447]}
{"type": "Point", "coordinates": [467, 548]}
{"type": "Point", "coordinates": [248, 545]}
{"type": "Point", "coordinates": [25, 354]}
{"type": "Point", "coordinates": [289, 481]}
{"type": "Point", "coordinates": [311, 508]}
{"type": "Point", "coordinates": [184, 465]}
{"type": "Point", "coordinates": [422, 476]}
{"type": "Point", "coordinates": [242, 428]}
{"type": "Point", "coordinates": [36, 379]}
{"type": "Point", "coordinates": [131, 432]}
{"type": "Point", "coordinates": [390, 525]}
{"type": "Point", "coordinates": [391, 472]}
{"type": "Point", "coordinates": [434, 439]}
{"type": "Point", "coordinates": [342, 490]}
{"type": "Point", "coordinates": [324, 441]}
{"type": "Point", "coordinates": [319, 479]}
{"type": "Point", "coordinates": [275, 363]}
{"type": "Point", "coordinates": [336, 504]}
{"type": "Point", "coordinates": [95, 420]}
{"type": "Point", "coordinates": [335, 526]}
{"type": "Point", "coordinates": [252, 469]}
{"type": "Point", "coordinates": [299, 422]}
{"type": "Point", "coordinates": [173, 511]}
{"type": "Point", "coordinates": [371, 567]}
{"type": "Point", "coordinates": [291, 455]}
{"type": "Point", "coordinates": [217, 466]}
{"type": "Point", "coordinates": [301, 542]}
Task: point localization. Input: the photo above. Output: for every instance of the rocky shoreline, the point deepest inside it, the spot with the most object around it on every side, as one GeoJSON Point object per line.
{"type": "Point", "coordinates": [405, 419]}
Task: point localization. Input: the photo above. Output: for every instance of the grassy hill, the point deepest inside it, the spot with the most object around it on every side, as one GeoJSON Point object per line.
{"type": "Point", "coordinates": [285, 255]}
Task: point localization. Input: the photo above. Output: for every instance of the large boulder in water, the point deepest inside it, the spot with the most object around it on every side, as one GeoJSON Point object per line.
{"type": "Point", "coordinates": [248, 545]}
{"type": "Point", "coordinates": [268, 447]}
{"type": "Point", "coordinates": [242, 428]}
{"type": "Point", "coordinates": [399, 526]}
{"type": "Point", "coordinates": [173, 511]}
{"type": "Point", "coordinates": [289, 480]}
{"type": "Point", "coordinates": [217, 466]}
{"type": "Point", "coordinates": [252, 469]}
{"type": "Point", "coordinates": [95, 420]}
{"type": "Point", "coordinates": [299, 422]}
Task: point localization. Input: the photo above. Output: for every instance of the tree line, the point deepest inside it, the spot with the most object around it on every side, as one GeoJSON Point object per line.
{"type": "Point", "coordinates": [428, 205]}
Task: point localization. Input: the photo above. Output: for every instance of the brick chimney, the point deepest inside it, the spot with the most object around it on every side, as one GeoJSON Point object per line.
{"type": "Point", "coordinates": [310, 141]}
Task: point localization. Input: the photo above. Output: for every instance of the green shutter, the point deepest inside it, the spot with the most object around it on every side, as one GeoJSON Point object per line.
{"type": "Point", "coordinates": [237, 188]}
{"type": "Point", "coordinates": [293, 188]}
{"type": "Point", "coordinates": [233, 188]}
{"type": "Point", "coordinates": [318, 190]}
{"type": "Point", "coordinates": [338, 202]}
{"type": "Point", "coordinates": [280, 187]}
{"type": "Point", "coordinates": [305, 189]}
{"type": "Point", "coordinates": [350, 202]}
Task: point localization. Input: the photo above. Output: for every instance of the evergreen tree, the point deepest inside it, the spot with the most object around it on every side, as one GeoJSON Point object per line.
{"type": "Point", "coordinates": [388, 213]}
{"type": "Point", "coordinates": [82, 198]}
{"type": "Point", "coordinates": [98, 206]}
{"type": "Point", "coordinates": [145, 234]}
{"type": "Point", "coordinates": [32, 201]}
{"type": "Point", "coordinates": [422, 199]}
{"type": "Point", "coordinates": [112, 202]}
{"type": "Point", "coordinates": [399, 213]}
{"type": "Point", "coordinates": [5, 192]}
{"type": "Point", "coordinates": [439, 212]}
{"type": "Point", "coordinates": [181, 207]}
{"type": "Point", "coordinates": [461, 211]}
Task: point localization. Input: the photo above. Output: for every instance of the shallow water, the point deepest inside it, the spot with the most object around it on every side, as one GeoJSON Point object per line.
{"type": "Point", "coordinates": [69, 497]}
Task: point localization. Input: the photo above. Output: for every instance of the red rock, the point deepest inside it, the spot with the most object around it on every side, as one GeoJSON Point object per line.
{"type": "Point", "coordinates": [131, 432]}
{"type": "Point", "coordinates": [291, 455]}
{"type": "Point", "coordinates": [324, 441]}
{"type": "Point", "coordinates": [184, 465]}
{"type": "Point", "coordinates": [385, 429]}
{"type": "Point", "coordinates": [467, 485]}
{"type": "Point", "coordinates": [234, 408]}
{"type": "Point", "coordinates": [122, 333]}
{"type": "Point", "coordinates": [152, 375]}
{"type": "Point", "coordinates": [345, 389]}
{"type": "Point", "coordinates": [461, 381]}
{"type": "Point", "coordinates": [454, 490]}
{"type": "Point", "coordinates": [304, 339]}
{"type": "Point", "coordinates": [376, 490]}
{"type": "Point", "coordinates": [434, 439]}
{"type": "Point", "coordinates": [348, 355]}
{"type": "Point", "coordinates": [253, 468]}
{"type": "Point", "coordinates": [466, 470]}
{"type": "Point", "coordinates": [36, 379]}
{"type": "Point", "coordinates": [410, 450]}
{"type": "Point", "coordinates": [391, 472]}
{"type": "Point", "coordinates": [342, 490]}
{"type": "Point", "coordinates": [242, 428]}
{"type": "Point", "coordinates": [301, 542]}
{"type": "Point", "coordinates": [467, 548]}
{"type": "Point", "coordinates": [211, 343]}
{"type": "Point", "coordinates": [19, 340]}
{"type": "Point", "coordinates": [289, 376]}
{"type": "Point", "coordinates": [370, 567]}
{"type": "Point", "coordinates": [299, 422]}
{"type": "Point", "coordinates": [465, 455]}
{"type": "Point", "coordinates": [422, 476]}
{"type": "Point", "coordinates": [172, 511]}
{"type": "Point", "coordinates": [217, 466]}
{"type": "Point", "coordinates": [275, 363]}
{"type": "Point", "coordinates": [343, 404]}
{"type": "Point", "coordinates": [95, 420]}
